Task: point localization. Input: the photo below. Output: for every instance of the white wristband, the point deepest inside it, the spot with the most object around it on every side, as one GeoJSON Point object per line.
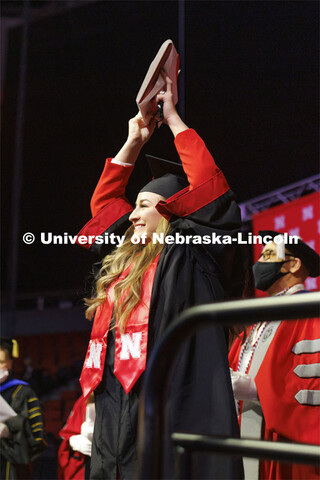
{"type": "Point", "coordinates": [121, 163]}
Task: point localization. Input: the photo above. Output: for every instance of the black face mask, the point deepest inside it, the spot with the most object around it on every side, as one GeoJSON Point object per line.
{"type": "Point", "coordinates": [266, 273]}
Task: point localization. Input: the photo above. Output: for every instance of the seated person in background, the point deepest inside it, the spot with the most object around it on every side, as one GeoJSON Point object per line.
{"type": "Point", "coordinates": [31, 375]}
{"type": "Point", "coordinates": [275, 372]}
{"type": "Point", "coordinates": [75, 450]}
{"type": "Point", "coordinates": [21, 428]}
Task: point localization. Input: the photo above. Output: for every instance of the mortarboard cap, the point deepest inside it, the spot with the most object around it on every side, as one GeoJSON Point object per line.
{"type": "Point", "coordinates": [160, 166]}
{"type": "Point", "coordinates": [168, 177]}
{"type": "Point", "coordinates": [167, 59]}
{"type": "Point", "coordinates": [309, 257]}
{"type": "Point", "coordinates": [11, 345]}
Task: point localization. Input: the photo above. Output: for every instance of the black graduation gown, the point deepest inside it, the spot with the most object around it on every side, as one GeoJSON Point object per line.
{"type": "Point", "coordinates": [200, 394]}
{"type": "Point", "coordinates": [27, 437]}
{"type": "Point", "coordinates": [200, 397]}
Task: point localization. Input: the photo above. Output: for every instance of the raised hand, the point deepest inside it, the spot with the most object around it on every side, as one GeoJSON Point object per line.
{"type": "Point", "coordinates": [170, 114]}
{"type": "Point", "coordinates": [139, 132]}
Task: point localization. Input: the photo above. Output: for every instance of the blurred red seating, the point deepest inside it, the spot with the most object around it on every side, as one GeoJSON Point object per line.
{"type": "Point", "coordinates": [54, 427]}
{"type": "Point", "coordinates": [49, 352]}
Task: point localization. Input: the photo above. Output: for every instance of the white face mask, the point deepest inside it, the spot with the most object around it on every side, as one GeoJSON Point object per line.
{"type": "Point", "coordinates": [4, 374]}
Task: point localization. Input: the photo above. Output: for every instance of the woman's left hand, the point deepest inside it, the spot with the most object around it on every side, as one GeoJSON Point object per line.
{"type": "Point", "coordinates": [170, 114]}
{"type": "Point", "coordinates": [168, 108]}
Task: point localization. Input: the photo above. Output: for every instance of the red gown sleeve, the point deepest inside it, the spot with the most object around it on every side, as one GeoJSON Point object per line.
{"type": "Point", "coordinates": [207, 182]}
{"type": "Point", "coordinates": [278, 384]}
{"type": "Point", "coordinates": [197, 161]}
{"type": "Point", "coordinates": [111, 185]}
{"type": "Point", "coordinates": [71, 467]}
{"type": "Point", "coordinates": [108, 203]}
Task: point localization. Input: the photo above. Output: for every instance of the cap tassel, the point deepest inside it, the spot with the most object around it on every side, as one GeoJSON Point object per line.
{"type": "Point", "coordinates": [15, 348]}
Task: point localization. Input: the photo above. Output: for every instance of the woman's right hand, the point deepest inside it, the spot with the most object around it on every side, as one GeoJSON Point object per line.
{"type": "Point", "coordinates": [139, 133]}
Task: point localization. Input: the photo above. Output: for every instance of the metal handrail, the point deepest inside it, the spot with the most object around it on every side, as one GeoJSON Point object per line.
{"type": "Point", "coordinates": [151, 410]}
{"type": "Point", "coordinates": [249, 447]}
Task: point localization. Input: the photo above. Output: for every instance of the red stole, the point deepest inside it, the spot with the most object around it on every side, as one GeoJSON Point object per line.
{"type": "Point", "coordinates": [130, 347]}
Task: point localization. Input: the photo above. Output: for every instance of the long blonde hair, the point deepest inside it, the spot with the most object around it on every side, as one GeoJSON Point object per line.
{"type": "Point", "coordinates": [127, 292]}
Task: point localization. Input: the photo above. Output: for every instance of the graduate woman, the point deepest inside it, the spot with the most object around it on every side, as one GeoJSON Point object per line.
{"type": "Point", "coordinates": [143, 285]}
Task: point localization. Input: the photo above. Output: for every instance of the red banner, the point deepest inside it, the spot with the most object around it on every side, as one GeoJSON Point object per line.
{"type": "Point", "coordinates": [299, 217]}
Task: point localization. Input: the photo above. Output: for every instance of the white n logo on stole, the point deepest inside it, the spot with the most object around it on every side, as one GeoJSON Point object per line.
{"type": "Point", "coordinates": [130, 346]}
{"type": "Point", "coordinates": [94, 356]}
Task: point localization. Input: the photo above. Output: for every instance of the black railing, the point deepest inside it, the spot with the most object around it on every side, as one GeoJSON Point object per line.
{"type": "Point", "coordinates": [187, 443]}
{"type": "Point", "coordinates": [151, 422]}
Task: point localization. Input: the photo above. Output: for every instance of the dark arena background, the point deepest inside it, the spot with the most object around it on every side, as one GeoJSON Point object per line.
{"type": "Point", "coordinates": [70, 73]}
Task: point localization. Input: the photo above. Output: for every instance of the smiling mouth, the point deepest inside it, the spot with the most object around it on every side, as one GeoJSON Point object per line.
{"type": "Point", "coordinates": [136, 227]}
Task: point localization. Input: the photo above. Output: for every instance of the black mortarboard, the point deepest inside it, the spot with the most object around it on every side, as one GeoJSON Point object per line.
{"type": "Point", "coordinates": [11, 345]}
{"type": "Point", "coordinates": [309, 257]}
{"type": "Point", "coordinates": [160, 166]}
{"type": "Point", "coordinates": [168, 177]}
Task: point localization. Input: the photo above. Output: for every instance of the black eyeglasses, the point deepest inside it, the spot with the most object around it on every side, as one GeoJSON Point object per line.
{"type": "Point", "coordinates": [267, 254]}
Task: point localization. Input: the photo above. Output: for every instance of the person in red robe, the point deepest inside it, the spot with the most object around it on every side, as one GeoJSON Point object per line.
{"type": "Point", "coordinates": [275, 371]}
{"type": "Point", "coordinates": [75, 449]}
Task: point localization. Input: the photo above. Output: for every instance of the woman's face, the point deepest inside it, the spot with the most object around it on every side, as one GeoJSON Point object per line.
{"type": "Point", "coordinates": [145, 217]}
{"type": "Point", "coordinates": [5, 361]}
